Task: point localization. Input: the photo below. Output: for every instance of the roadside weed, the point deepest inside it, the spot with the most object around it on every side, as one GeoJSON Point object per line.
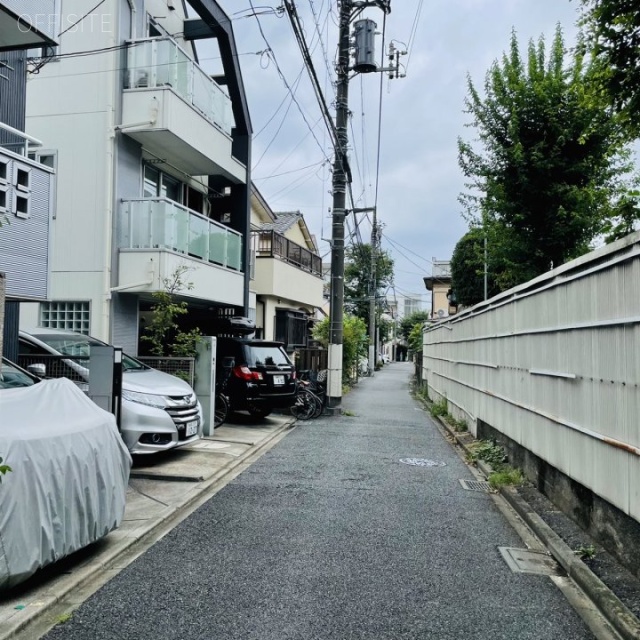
{"type": "Point", "coordinates": [63, 617]}
{"type": "Point", "coordinates": [459, 426]}
{"type": "Point", "coordinates": [439, 408]}
{"type": "Point", "coordinates": [585, 552]}
{"type": "Point", "coordinates": [491, 453]}
{"type": "Point", "coordinates": [4, 469]}
{"type": "Point", "coordinates": [505, 476]}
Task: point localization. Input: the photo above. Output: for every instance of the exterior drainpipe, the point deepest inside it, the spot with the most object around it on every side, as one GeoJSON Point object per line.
{"type": "Point", "coordinates": [109, 218]}
{"type": "Point", "coordinates": [134, 19]}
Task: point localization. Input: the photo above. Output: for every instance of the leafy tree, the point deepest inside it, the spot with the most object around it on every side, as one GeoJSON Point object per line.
{"type": "Point", "coordinates": [409, 322]}
{"type": "Point", "coordinates": [354, 342]}
{"type": "Point", "coordinates": [467, 269]}
{"type": "Point", "coordinates": [357, 278]}
{"type": "Point", "coordinates": [613, 30]}
{"type": "Point", "coordinates": [549, 176]}
{"type": "Point", "coordinates": [415, 338]}
{"type": "Point", "coordinates": [163, 333]}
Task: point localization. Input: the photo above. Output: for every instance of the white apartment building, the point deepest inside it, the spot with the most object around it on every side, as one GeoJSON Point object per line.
{"type": "Point", "coordinates": [153, 162]}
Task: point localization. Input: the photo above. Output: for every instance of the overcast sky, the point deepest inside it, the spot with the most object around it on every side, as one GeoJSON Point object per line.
{"type": "Point", "coordinates": [419, 180]}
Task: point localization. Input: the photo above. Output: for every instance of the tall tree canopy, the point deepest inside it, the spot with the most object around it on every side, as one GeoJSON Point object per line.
{"type": "Point", "coordinates": [547, 173]}
{"type": "Point", "coordinates": [468, 269]}
{"type": "Point", "coordinates": [357, 278]}
{"type": "Point", "coordinates": [613, 30]}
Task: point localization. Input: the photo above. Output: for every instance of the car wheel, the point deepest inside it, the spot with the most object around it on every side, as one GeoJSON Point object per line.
{"type": "Point", "coordinates": [258, 411]}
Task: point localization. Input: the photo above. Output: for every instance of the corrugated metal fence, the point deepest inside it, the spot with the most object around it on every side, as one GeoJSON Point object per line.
{"type": "Point", "coordinates": [554, 364]}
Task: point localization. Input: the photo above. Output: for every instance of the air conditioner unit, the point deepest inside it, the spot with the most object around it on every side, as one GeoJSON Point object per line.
{"type": "Point", "coordinates": [441, 313]}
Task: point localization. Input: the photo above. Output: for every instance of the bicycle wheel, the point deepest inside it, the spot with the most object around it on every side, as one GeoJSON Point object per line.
{"type": "Point", "coordinates": [221, 410]}
{"type": "Point", "coordinates": [304, 406]}
{"type": "Point", "coordinates": [319, 407]}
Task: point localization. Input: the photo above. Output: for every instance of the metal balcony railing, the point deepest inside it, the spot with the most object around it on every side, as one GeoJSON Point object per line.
{"type": "Point", "coordinates": [159, 223]}
{"type": "Point", "coordinates": [270, 244]}
{"type": "Point", "coordinates": [159, 62]}
{"type": "Point", "coordinates": [17, 141]}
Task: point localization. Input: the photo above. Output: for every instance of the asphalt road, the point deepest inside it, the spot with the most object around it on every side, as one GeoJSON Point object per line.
{"type": "Point", "coordinates": [329, 536]}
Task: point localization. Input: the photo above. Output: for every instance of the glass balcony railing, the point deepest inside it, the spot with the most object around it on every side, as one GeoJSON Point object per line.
{"type": "Point", "coordinates": [160, 62]}
{"type": "Point", "coordinates": [158, 223]}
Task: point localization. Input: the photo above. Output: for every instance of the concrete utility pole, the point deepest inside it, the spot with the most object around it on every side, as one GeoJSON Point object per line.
{"type": "Point", "coordinates": [373, 290]}
{"type": "Point", "coordinates": [365, 63]}
{"type": "Point", "coordinates": [336, 312]}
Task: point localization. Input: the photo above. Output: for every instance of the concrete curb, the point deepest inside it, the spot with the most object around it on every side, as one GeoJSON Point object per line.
{"type": "Point", "coordinates": [611, 607]}
{"type": "Point", "coordinates": [85, 574]}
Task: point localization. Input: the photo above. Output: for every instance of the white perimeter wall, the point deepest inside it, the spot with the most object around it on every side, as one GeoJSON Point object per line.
{"type": "Point", "coordinates": [554, 364]}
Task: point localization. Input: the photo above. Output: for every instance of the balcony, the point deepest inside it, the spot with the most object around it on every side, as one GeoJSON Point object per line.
{"type": "Point", "coordinates": [156, 235]}
{"type": "Point", "coordinates": [286, 270]}
{"type": "Point", "coordinates": [176, 111]}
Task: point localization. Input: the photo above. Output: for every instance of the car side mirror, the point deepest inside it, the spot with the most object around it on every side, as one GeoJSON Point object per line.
{"type": "Point", "coordinates": [38, 369]}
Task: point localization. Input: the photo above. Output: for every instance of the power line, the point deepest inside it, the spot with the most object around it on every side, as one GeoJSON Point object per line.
{"type": "Point", "coordinates": [375, 201]}
{"type": "Point", "coordinates": [278, 175]}
{"type": "Point", "coordinates": [82, 18]}
{"type": "Point", "coordinates": [414, 29]}
{"type": "Point", "coordinates": [286, 84]}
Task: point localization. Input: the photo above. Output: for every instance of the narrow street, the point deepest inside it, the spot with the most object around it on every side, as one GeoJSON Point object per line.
{"type": "Point", "coordinates": [330, 536]}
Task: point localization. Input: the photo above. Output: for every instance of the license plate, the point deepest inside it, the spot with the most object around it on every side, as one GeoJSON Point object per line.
{"type": "Point", "coordinates": [278, 380]}
{"type": "Point", "coordinates": [191, 428]}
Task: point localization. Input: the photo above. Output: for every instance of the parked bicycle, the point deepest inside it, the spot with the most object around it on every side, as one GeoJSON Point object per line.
{"type": "Point", "coordinates": [222, 406]}
{"type": "Point", "coordinates": [310, 395]}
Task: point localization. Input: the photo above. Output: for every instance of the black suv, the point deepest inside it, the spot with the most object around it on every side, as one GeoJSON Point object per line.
{"type": "Point", "coordinates": [262, 377]}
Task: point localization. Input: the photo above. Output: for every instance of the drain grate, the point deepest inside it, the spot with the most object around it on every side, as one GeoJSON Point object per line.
{"type": "Point", "coordinates": [422, 462]}
{"type": "Point", "coordinates": [527, 561]}
{"type": "Point", "coordinates": [476, 485]}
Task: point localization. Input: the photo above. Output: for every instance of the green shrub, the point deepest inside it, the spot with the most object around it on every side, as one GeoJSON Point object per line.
{"type": "Point", "coordinates": [355, 341]}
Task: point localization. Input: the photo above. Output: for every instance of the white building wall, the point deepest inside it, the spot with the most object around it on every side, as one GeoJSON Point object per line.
{"type": "Point", "coordinates": [71, 103]}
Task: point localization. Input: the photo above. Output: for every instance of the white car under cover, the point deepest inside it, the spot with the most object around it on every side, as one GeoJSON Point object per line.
{"type": "Point", "coordinates": [68, 484]}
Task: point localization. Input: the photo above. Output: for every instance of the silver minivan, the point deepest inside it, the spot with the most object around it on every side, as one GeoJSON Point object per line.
{"type": "Point", "coordinates": [159, 411]}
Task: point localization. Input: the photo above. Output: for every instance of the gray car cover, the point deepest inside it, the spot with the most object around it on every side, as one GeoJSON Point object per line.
{"type": "Point", "coordinates": [68, 484]}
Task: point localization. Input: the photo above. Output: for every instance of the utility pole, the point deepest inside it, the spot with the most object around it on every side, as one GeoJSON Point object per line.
{"type": "Point", "coordinates": [364, 63]}
{"type": "Point", "coordinates": [336, 311]}
{"type": "Point", "coordinates": [372, 293]}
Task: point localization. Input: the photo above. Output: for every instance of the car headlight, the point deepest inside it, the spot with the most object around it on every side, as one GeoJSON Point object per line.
{"type": "Point", "coordinates": [144, 398]}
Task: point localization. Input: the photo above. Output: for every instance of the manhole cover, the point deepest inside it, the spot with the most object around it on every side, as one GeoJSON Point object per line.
{"type": "Point", "coordinates": [476, 485]}
{"type": "Point", "coordinates": [527, 561]}
{"type": "Point", "coordinates": [421, 462]}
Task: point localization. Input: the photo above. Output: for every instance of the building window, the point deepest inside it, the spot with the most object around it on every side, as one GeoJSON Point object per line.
{"type": "Point", "coordinates": [21, 205]}
{"type": "Point", "coordinates": [70, 316]}
{"type": "Point", "coordinates": [47, 158]}
{"type": "Point", "coordinates": [158, 184]}
{"type": "Point", "coordinates": [23, 178]}
{"type": "Point", "coordinates": [291, 328]}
